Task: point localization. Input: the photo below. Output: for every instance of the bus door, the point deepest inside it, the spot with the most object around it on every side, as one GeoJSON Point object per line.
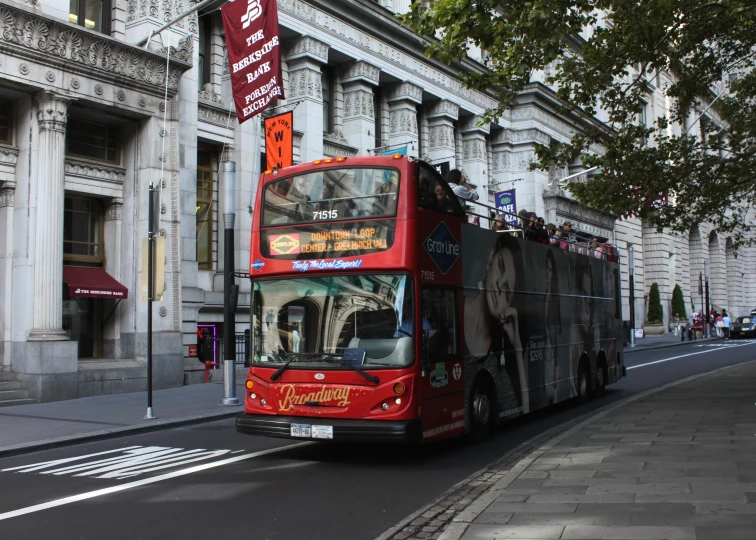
{"type": "Point", "coordinates": [442, 388]}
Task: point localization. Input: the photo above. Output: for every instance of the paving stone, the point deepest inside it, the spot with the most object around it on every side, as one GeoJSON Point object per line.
{"type": "Point", "coordinates": [690, 497]}
{"type": "Point", "coordinates": [661, 489]}
{"type": "Point", "coordinates": [695, 520]}
{"type": "Point", "coordinates": [664, 479]}
{"type": "Point", "coordinates": [690, 465]}
{"type": "Point", "coordinates": [564, 474]}
{"type": "Point", "coordinates": [579, 532]}
{"type": "Point", "coordinates": [570, 519]}
{"type": "Point", "coordinates": [494, 518]}
{"type": "Point", "coordinates": [635, 508]}
{"type": "Point", "coordinates": [600, 498]}
{"type": "Point", "coordinates": [672, 473]}
{"type": "Point", "coordinates": [532, 508]}
{"type": "Point", "coordinates": [707, 486]}
{"type": "Point", "coordinates": [725, 508]}
{"type": "Point", "coordinates": [719, 532]}
{"type": "Point", "coordinates": [499, 532]}
{"type": "Point", "coordinates": [586, 482]}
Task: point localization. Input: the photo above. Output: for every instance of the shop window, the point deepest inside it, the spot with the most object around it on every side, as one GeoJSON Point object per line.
{"type": "Point", "coordinates": [82, 230]}
{"type": "Point", "coordinates": [92, 140]}
{"type": "Point", "coordinates": [6, 123]}
{"type": "Point", "coordinates": [207, 170]}
{"type": "Point", "coordinates": [92, 14]}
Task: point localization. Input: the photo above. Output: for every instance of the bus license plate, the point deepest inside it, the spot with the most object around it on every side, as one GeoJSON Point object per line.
{"type": "Point", "coordinates": [301, 430]}
{"type": "Point", "coordinates": [322, 432]}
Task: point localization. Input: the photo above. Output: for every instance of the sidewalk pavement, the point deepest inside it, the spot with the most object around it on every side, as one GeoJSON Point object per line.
{"type": "Point", "coordinates": [676, 463]}
{"type": "Point", "coordinates": [24, 428]}
{"type": "Point", "coordinates": [659, 342]}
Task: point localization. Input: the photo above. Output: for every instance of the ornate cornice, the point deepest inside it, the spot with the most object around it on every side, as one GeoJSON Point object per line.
{"type": "Point", "coordinates": [444, 108]}
{"type": "Point", "coordinates": [510, 136]}
{"type": "Point", "coordinates": [94, 170]}
{"type": "Point", "coordinates": [361, 72]}
{"type": "Point", "coordinates": [307, 47]}
{"type": "Point", "coordinates": [572, 209]}
{"type": "Point", "coordinates": [405, 91]}
{"type": "Point", "coordinates": [207, 95]}
{"type": "Point", "coordinates": [469, 124]}
{"type": "Point", "coordinates": [335, 148]}
{"type": "Point", "coordinates": [8, 155]}
{"type": "Point", "coordinates": [51, 42]}
{"type": "Point", "coordinates": [212, 114]}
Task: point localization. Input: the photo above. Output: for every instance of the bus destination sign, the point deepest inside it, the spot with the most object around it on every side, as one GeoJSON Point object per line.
{"type": "Point", "coordinates": [331, 241]}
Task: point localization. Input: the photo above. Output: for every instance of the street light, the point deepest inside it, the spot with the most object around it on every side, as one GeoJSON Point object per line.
{"type": "Point", "coordinates": [229, 288]}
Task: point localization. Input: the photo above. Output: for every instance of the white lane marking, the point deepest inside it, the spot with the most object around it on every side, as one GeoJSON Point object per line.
{"type": "Point", "coordinates": [681, 356]}
{"type": "Point", "coordinates": [55, 462]}
{"type": "Point", "coordinates": [138, 483]}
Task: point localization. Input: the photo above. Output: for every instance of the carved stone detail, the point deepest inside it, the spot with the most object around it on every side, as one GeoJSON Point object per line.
{"type": "Point", "coordinates": [95, 170]}
{"type": "Point", "coordinates": [474, 149]}
{"type": "Point", "coordinates": [113, 211]}
{"type": "Point", "coordinates": [521, 135]}
{"type": "Point", "coordinates": [207, 95]}
{"type": "Point", "coordinates": [7, 196]}
{"type": "Point", "coordinates": [362, 71]}
{"type": "Point", "coordinates": [444, 108]}
{"type": "Point", "coordinates": [407, 91]}
{"type": "Point", "coordinates": [502, 161]}
{"type": "Point", "coordinates": [441, 136]}
{"type": "Point", "coordinates": [522, 160]}
{"type": "Point", "coordinates": [358, 103]}
{"type": "Point", "coordinates": [468, 124]}
{"type": "Point", "coordinates": [33, 35]}
{"type": "Point", "coordinates": [568, 208]}
{"type": "Point", "coordinates": [305, 82]}
{"type": "Point", "coordinates": [52, 112]}
{"type": "Point", "coordinates": [214, 116]}
{"type": "Point", "coordinates": [333, 148]}
{"type": "Point", "coordinates": [307, 47]}
{"type": "Point", "coordinates": [98, 89]}
{"type": "Point", "coordinates": [184, 51]}
{"type": "Point", "coordinates": [8, 156]}
{"type": "Point", "coordinates": [403, 121]}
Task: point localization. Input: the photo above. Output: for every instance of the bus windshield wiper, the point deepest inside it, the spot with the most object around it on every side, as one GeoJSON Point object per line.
{"type": "Point", "coordinates": [358, 369]}
{"type": "Point", "coordinates": [280, 370]}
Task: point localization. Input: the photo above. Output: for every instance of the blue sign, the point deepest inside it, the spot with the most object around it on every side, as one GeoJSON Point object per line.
{"type": "Point", "coordinates": [257, 265]}
{"type": "Point", "coordinates": [401, 150]}
{"type": "Point", "coordinates": [442, 247]}
{"type": "Point", "coordinates": [325, 264]}
{"type": "Point", "coordinates": [506, 204]}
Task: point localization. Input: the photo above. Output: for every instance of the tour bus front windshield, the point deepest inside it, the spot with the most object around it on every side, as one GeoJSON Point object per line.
{"type": "Point", "coordinates": [338, 322]}
{"type": "Point", "coordinates": [331, 195]}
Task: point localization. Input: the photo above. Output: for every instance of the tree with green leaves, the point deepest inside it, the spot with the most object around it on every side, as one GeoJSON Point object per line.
{"type": "Point", "coordinates": [604, 57]}
{"type": "Point", "coordinates": [678, 302]}
{"type": "Point", "coordinates": [655, 312]}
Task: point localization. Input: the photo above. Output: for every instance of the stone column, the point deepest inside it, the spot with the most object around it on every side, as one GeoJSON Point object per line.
{"type": "Point", "coordinates": [474, 156]}
{"type": "Point", "coordinates": [403, 99]}
{"type": "Point", "coordinates": [48, 252]}
{"type": "Point", "coordinates": [501, 161]}
{"type": "Point", "coordinates": [112, 233]}
{"type": "Point", "coordinates": [304, 57]}
{"type": "Point", "coordinates": [358, 80]}
{"type": "Point", "coordinates": [441, 118]}
{"type": "Point", "coordinates": [7, 204]}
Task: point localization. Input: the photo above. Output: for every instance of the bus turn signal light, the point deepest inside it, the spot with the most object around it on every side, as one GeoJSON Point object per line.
{"type": "Point", "coordinates": [329, 160]}
{"type": "Point", "coordinates": [399, 388]}
{"type": "Point", "coordinates": [249, 385]}
{"type": "Point", "coordinates": [317, 162]}
{"type": "Point", "coordinates": [340, 159]}
{"type": "Point", "coordinates": [397, 156]}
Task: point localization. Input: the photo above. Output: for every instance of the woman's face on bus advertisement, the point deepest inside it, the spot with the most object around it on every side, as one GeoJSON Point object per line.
{"type": "Point", "coordinates": [584, 305]}
{"type": "Point", "coordinates": [549, 272]}
{"type": "Point", "coordinates": [500, 282]}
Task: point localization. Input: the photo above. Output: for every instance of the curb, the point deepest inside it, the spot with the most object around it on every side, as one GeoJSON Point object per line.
{"type": "Point", "coordinates": [628, 350]}
{"type": "Point", "coordinates": [47, 444]}
{"type": "Point", "coordinates": [459, 524]}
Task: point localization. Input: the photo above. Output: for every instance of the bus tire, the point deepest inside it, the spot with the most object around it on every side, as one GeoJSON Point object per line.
{"type": "Point", "coordinates": [583, 382]}
{"type": "Point", "coordinates": [601, 378]}
{"type": "Point", "coordinates": [482, 406]}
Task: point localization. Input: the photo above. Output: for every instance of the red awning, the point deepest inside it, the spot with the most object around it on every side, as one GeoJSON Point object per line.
{"type": "Point", "coordinates": [92, 282]}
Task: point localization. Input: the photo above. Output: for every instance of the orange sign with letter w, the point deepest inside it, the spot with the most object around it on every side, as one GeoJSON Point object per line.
{"type": "Point", "coordinates": [279, 141]}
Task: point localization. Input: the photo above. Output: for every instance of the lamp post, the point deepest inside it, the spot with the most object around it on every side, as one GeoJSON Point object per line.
{"type": "Point", "coordinates": [150, 294]}
{"type": "Point", "coordinates": [229, 315]}
{"type": "Point", "coordinates": [631, 269]}
{"type": "Point", "coordinates": [708, 306]}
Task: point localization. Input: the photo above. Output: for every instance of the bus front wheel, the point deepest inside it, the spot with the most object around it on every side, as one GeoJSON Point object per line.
{"type": "Point", "coordinates": [583, 383]}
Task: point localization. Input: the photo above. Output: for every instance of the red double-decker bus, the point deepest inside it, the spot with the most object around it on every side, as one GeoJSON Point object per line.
{"type": "Point", "coordinates": [380, 313]}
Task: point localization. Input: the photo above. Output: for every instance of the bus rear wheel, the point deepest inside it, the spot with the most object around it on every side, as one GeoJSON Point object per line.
{"type": "Point", "coordinates": [601, 376]}
{"type": "Point", "coordinates": [583, 383]}
{"type": "Point", "coordinates": [481, 411]}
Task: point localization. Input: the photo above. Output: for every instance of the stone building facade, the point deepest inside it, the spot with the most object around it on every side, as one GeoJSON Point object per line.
{"type": "Point", "coordinates": [88, 120]}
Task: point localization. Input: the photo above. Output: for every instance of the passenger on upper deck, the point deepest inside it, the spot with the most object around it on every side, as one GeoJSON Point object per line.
{"type": "Point", "coordinates": [461, 188]}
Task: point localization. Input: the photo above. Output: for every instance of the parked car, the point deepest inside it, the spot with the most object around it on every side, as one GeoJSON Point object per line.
{"type": "Point", "coordinates": [743, 327]}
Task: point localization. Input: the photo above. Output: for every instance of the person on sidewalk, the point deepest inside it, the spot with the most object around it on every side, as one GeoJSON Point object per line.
{"type": "Point", "coordinates": [726, 322]}
{"type": "Point", "coordinates": [719, 324]}
{"type": "Point", "coordinates": [677, 324]}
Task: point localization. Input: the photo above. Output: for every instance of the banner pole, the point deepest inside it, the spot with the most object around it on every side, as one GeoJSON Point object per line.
{"type": "Point", "coordinates": [150, 293]}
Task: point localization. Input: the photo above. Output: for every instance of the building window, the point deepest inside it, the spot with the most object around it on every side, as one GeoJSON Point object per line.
{"type": "Point", "coordinates": [327, 87]}
{"type": "Point", "coordinates": [205, 37]}
{"type": "Point", "coordinates": [207, 170]}
{"type": "Point", "coordinates": [91, 140]}
{"type": "Point", "coordinates": [82, 230]}
{"type": "Point", "coordinates": [6, 123]}
{"type": "Point", "coordinates": [92, 14]}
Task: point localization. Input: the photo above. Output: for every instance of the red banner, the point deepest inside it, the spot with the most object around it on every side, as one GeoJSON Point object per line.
{"type": "Point", "coordinates": [254, 55]}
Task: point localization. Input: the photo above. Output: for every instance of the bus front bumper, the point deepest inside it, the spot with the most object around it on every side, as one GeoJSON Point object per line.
{"type": "Point", "coordinates": [403, 431]}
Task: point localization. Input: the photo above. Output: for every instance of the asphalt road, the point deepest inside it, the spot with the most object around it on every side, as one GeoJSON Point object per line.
{"type": "Point", "coordinates": [208, 482]}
